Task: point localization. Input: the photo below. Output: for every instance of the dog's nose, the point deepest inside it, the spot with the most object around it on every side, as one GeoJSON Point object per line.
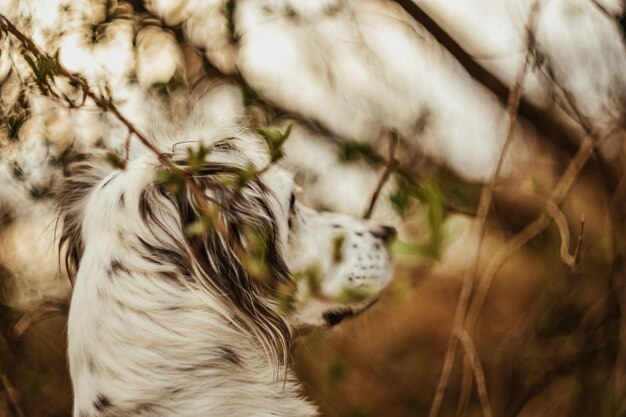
{"type": "Point", "coordinates": [384, 233]}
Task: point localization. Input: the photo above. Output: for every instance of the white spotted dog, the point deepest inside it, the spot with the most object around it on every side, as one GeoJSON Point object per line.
{"type": "Point", "coordinates": [162, 323]}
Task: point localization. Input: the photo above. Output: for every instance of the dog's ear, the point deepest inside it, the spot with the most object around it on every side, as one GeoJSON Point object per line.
{"type": "Point", "coordinates": [238, 256]}
{"type": "Point", "coordinates": [72, 195]}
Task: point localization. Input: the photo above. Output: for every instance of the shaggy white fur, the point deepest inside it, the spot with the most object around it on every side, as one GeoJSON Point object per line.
{"type": "Point", "coordinates": [163, 324]}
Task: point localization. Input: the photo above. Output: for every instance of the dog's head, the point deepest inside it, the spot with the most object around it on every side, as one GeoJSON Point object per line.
{"type": "Point", "coordinates": [234, 231]}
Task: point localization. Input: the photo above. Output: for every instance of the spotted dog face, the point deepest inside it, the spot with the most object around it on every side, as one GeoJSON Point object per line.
{"type": "Point", "coordinates": [340, 264]}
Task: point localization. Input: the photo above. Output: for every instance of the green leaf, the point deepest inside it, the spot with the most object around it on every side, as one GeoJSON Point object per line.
{"type": "Point", "coordinates": [352, 151]}
{"type": "Point", "coordinates": [403, 197]}
{"type": "Point", "coordinates": [433, 198]}
{"type": "Point", "coordinates": [250, 96]}
{"type": "Point", "coordinates": [286, 296]}
{"type": "Point", "coordinates": [195, 229]}
{"type": "Point", "coordinates": [115, 160]}
{"type": "Point", "coordinates": [166, 88]}
{"type": "Point", "coordinates": [172, 179]}
{"type": "Point", "coordinates": [338, 248]}
{"type": "Point", "coordinates": [353, 295]}
{"type": "Point", "coordinates": [313, 280]}
{"type": "Point", "coordinates": [245, 176]}
{"type": "Point", "coordinates": [197, 158]}
{"type": "Point", "coordinates": [43, 68]}
{"type": "Point", "coordinates": [275, 140]}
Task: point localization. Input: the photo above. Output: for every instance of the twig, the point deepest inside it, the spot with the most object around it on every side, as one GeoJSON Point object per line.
{"type": "Point", "coordinates": [466, 391]}
{"type": "Point", "coordinates": [561, 223]}
{"type": "Point", "coordinates": [484, 204]}
{"type": "Point", "coordinates": [530, 231]}
{"type": "Point", "coordinates": [313, 126]}
{"type": "Point", "coordinates": [104, 104]}
{"type": "Point", "coordinates": [579, 245]}
{"type": "Point", "coordinates": [391, 164]}
{"type": "Point", "coordinates": [479, 374]}
{"type": "Point", "coordinates": [46, 311]}
{"type": "Point", "coordinates": [98, 100]}
{"type": "Point", "coordinates": [11, 395]}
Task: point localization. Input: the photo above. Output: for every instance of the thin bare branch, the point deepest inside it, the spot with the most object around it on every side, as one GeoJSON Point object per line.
{"type": "Point", "coordinates": [46, 311]}
{"type": "Point", "coordinates": [106, 105]}
{"type": "Point", "coordinates": [100, 101]}
{"type": "Point", "coordinates": [529, 232]}
{"type": "Point", "coordinates": [479, 226]}
{"type": "Point", "coordinates": [391, 164]}
{"type": "Point", "coordinates": [466, 389]}
{"type": "Point", "coordinates": [11, 394]}
{"type": "Point", "coordinates": [579, 245]}
{"type": "Point", "coordinates": [560, 220]}
{"type": "Point", "coordinates": [479, 374]}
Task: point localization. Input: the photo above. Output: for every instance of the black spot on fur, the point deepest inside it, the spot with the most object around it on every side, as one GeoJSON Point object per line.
{"type": "Point", "coordinates": [162, 255]}
{"type": "Point", "coordinates": [101, 403]}
{"type": "Point", "coordinates": [292, 201]}
{"type": "Point", "coordinates": [6, 217]}
{"type": "Point", "coordinates": [145, 409]}
{"type": "Point", "coordinates": [229, 355]}
{"type": "Point", "coordinates": [144, 206]}
{"type": "Point", "coordinates": [333, 318]}
{"type": "Point", "coordinates": [173, 390]}
{"type": "Point", "coordinates": [121, 202]}
{"type": "Point", "coordinates": [116, 267]}
{"type": "Point", "coordinates": [91, 364]}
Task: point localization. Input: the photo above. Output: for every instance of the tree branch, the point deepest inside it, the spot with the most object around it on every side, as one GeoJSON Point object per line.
{"type": "Point", "coordinates": [543, 121]}
{"type": "Point", "coordinates": [479, 374]}
{"type": "Point", "coordinates": [561, 223]}
{"type": "Point", "coordinates": [107, 105]}
{"type": "Point", "coordinates": [529, 232]}
{"type": "Point", "coordinates": [480, 228]}
{"type": "Point", "coordinates": [391, 164]}
{"type": "Point", "coordinates": [101, 102]}
{"type": "Point", "coordinates": [11, 394]}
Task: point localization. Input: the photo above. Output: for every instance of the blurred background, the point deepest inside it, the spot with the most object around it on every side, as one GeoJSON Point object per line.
{"type": "Point", "coordinates": [494, 131]}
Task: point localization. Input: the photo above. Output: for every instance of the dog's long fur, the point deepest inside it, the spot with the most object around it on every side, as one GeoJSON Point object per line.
{"type": "Point", "coordinates": [174, 328]}
{"type": "Point", "coordinates": [164, 324]}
